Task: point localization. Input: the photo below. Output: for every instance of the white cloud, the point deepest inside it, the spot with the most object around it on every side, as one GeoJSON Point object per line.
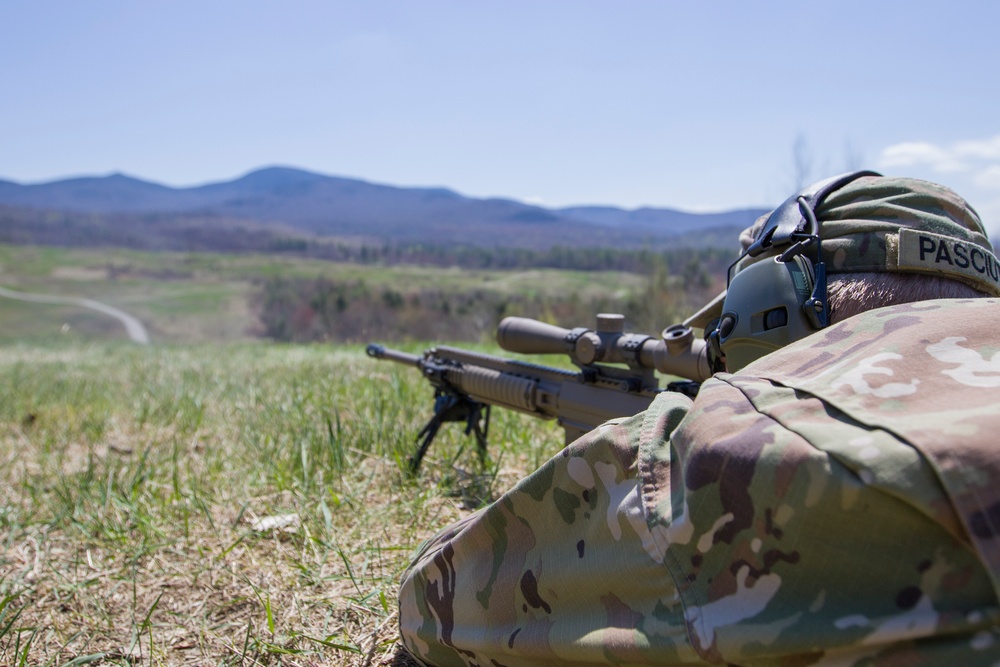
{"type": "Point", "coordinates": [970, 167]}
{"type": "Point", "coordinates": [986, 149]}
{"type": "Point", "coordinates": [988, 178]}
{"type": "Point", "coordinates": [922, 153]}
{"type": "Point", "coordinates": [975, 161]}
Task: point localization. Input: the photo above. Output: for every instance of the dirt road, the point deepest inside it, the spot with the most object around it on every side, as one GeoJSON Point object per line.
{"type": "Point", "coordinates": [133, 327]}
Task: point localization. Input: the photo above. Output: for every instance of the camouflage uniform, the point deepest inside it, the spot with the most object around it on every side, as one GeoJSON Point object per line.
{"type": "Point", "coordinates": [835, 503]}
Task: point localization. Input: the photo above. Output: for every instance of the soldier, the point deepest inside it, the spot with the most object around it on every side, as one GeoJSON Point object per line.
{"type": "Point", "coordinates": [832, 500]}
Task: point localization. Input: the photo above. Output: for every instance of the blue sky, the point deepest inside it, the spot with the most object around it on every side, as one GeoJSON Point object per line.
{"type": "Point", "coordinates": [694, 105]}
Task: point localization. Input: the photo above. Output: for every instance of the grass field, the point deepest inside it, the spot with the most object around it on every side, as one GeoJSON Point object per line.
{"type": "Point", "coordinates": [138, 484]}
{"type": "Point", "coordinates": [214, 498]}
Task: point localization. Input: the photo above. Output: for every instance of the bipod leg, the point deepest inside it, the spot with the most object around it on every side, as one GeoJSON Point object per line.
{"type": "Point", "coordinates": [448, 407]}
{"type": "Point", "coordinates": [429, 431]}
{"type": "Point", "coordinates": [479, 424]}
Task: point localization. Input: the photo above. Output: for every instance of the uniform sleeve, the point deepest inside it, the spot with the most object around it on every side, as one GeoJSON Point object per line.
{"type": "Point", "coordinates": [562, 569]}
{"type": "Point", "coordinates": [782, 547]}
{"type": "Point", "coordinates": [723, 531]}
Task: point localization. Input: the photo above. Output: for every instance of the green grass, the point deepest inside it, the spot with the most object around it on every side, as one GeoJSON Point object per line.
{"type": "Point", "coordinates": [132, 478]}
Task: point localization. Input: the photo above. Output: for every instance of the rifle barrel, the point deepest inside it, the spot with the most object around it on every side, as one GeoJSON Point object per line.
{"type": "Point", "coordinates": [377, 351]}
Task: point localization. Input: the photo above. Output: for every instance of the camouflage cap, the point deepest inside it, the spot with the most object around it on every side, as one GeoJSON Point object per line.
{"type": "Point", "coordinates": [879, 223]}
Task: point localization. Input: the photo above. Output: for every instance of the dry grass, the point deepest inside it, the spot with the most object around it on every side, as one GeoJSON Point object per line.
{"type": "Point", "coordinates": [134, 483]}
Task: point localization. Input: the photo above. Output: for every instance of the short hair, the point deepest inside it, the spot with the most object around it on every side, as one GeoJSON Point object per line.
{"type": "Point", "coordinates": [854, 293]}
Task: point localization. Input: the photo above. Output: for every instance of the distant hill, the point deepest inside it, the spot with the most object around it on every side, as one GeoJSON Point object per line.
{"type": "Point", "coordinates": [291, 202]}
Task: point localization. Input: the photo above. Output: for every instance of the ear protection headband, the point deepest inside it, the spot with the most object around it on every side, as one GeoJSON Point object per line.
{"type": "Point", "coordinates": [779, 299]}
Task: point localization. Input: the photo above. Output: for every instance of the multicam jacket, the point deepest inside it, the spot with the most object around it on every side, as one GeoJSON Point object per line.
{"type": "Point", "coordinates": [836, 503]}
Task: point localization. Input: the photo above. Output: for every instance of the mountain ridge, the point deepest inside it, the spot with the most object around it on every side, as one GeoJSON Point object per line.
{"type": "Point", "coordinates": [333, 206]}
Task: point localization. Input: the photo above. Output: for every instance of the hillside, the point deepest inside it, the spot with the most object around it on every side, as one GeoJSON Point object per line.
{"type": "Point", "coordinates": [280, 203]}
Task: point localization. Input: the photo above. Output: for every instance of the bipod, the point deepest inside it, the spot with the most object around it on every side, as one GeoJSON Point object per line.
{"type": "Point", "coordinates": [450, 407]}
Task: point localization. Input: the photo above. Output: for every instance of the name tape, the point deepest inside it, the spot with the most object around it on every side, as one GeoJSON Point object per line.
{"type": "Point", "coordinates": [935, 253]}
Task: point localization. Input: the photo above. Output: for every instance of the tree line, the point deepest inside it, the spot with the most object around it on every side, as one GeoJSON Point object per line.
{"type": "Point", "coordinates": [322, 309]}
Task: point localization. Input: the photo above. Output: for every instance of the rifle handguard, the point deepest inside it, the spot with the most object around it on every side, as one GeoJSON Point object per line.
{"type": "Point", "coordinates": [493, 386]}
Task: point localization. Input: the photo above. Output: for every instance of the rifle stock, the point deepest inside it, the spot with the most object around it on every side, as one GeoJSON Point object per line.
{"type": "Point", "coordinates": [467, 383]}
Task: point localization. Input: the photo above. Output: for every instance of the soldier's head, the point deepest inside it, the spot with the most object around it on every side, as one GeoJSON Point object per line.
{"type": "Point", "coordinates": [843, 246]}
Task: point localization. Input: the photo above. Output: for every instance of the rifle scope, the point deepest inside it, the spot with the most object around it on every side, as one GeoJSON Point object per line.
{"type": "Point", "coordinates": [678, 352]}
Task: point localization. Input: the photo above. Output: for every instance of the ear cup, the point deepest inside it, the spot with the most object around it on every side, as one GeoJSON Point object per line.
{"type": "Point", "coordinates": [763, 310]}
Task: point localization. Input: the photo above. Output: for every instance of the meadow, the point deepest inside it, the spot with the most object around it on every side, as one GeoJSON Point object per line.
{"type": "Point", "coordinates": [215, 498]}
{"type": "Point", "coordinates": [234, 504]}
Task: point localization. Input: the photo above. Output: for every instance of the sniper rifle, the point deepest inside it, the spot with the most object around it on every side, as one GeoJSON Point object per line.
{"type": "Point", "coordinates": [467, 383]}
